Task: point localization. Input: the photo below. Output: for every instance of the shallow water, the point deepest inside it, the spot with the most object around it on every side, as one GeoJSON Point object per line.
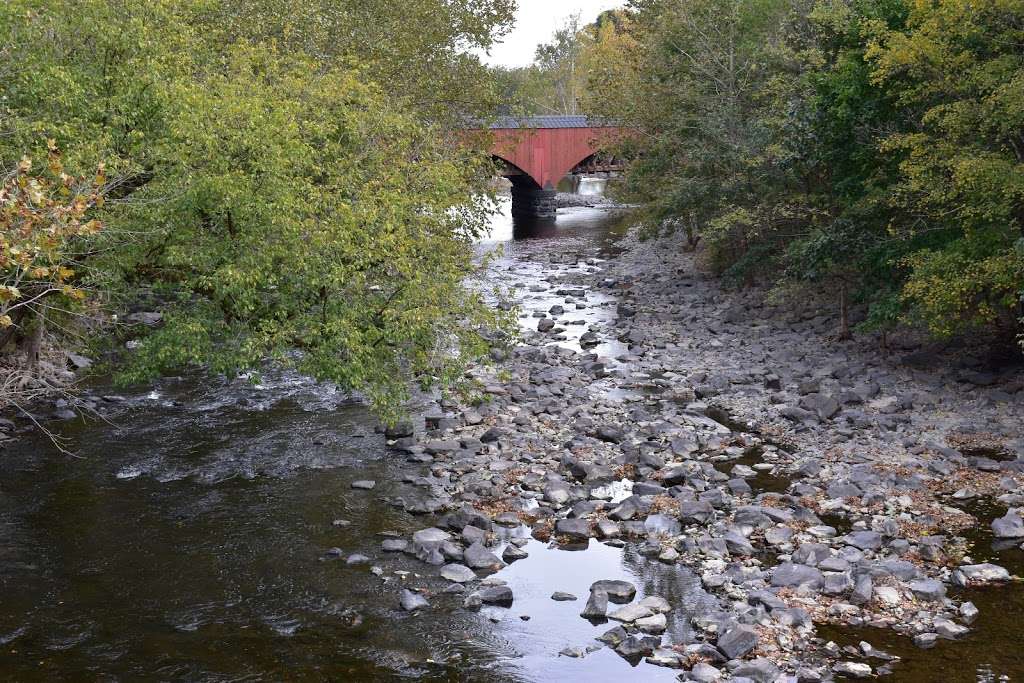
{"type": "Point", "coordinates": [186, 541]}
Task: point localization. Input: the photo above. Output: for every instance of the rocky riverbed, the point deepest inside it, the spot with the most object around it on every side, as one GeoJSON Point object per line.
{"type": "Point", "coordinates": [796, 482]}
{"type": "Point", "coordinates": [661, 480]}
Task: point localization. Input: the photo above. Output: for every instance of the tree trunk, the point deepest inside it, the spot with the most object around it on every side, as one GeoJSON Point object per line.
{"type": "Point", "coordinates": [844, 313]}
{"type": "Point", "coordinates": [34, 343]}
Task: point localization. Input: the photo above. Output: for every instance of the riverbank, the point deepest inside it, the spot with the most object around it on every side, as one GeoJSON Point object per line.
{"type": "Point", "coordinates": [802, 482]}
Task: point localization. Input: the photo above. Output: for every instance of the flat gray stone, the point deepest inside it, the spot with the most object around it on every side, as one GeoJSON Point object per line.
{"type": "Point", "coordinates": [737, 641]}
{"type": "Point", "coordinates": [789, 575]}
{"type": "Point", "coordinates": [631, 613]}
{"type": "Point", "coordinates": [459, 573]}
{"type": "Point", "coordinates": [619, 592]}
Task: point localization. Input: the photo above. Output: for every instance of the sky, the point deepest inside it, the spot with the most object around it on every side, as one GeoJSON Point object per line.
{"type": "Point", "coordinates": [536, 21]}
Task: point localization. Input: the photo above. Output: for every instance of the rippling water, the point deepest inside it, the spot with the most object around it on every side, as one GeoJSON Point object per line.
{"type": "Point", "coordinates": [187, 541]}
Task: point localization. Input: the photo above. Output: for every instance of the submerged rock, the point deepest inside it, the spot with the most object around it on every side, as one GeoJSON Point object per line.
{"type": "Point", "coordinates": [411, 602]}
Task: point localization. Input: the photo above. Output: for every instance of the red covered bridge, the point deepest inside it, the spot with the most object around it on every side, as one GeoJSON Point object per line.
{"type": "Point", "coordinates": [539, 151]}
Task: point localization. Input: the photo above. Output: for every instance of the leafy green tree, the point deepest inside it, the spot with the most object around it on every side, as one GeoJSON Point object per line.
{"type": "Point", "coordinates": [959, 68]}
{"type": "Point", "coordinates": [266, 180]}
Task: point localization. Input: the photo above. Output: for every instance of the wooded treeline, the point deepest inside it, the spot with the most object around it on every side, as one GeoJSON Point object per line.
{"type": "Point", "coordinates": [873, 149]}
{"type": "Point", "coordinates": [268, 175]}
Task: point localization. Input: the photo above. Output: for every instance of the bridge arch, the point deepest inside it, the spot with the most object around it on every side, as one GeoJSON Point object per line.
{"type": "Point", "coordinates": [539, 151]}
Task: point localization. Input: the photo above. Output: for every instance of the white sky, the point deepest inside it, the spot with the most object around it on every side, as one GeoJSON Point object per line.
{"type": "Point", "coordinates": [536, 21]}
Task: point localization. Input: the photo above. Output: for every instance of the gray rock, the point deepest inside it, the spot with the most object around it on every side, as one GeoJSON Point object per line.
{"type": "Point", "coordinates": [792, 575]}
{"type": "Point", "coordinates": [560, 596]}
{"type": "Point", "coordinates": [496, 595]}
{"type": "Point", "coordinates": [619, 592]}
{"type": "Point", "coordinates": [704, 673]}
{"type": "Point", "coordinates": [862, 590]}
{"type": "Point", "coordinates": [864, 540]}
{"type": "Point", "coordinates": [512, 553]}
{"type": "Point", "coordinates": [825, 407]}
{"type": "Point", "coordinates": [926, 641]}
{"type": "Point", "coordinates": [411, 602]}
{"type": "Point", "coordinates": [654, 624]}
{"type": "Point", "coordinates": [1009, 526]}
{"type": "Point", "coordinates": [760, 670]}
{"type": "Point", "coordinates": [928, 590]}
{"type": "Point", "coordinates": [852, 669]}
{"type": "Point", "coordinates": [613, 636]}
{"type": "Point", "coordinates": [573, 529]}
{"type": "Point", "coordinates": [459, 573]}
{"type": "Point", "coordinates": [656, 604]}
{"type": "Point", "coordinates": [979, 574]}
{"type": "Point", "coordinates": [477, 556]}
{"type": "Point", "coordinates": [737, 641]}
{"type": "Point", "coordinates": [665, 657]}
{"type": "Point", "coordinates": [630, 613]}
{"type": "Point", "coordinates": [597, 606]}
{"type": "Point", "coordinates": [949, 630]}
{"type": "Point", "coordinates": [363, 484]}
{"type": "Point", "coordinates": [636, 647]}
{"type": "Point", "coordinates": [608, 529]}
{"type": "Point", "coordinates": [356, 558]}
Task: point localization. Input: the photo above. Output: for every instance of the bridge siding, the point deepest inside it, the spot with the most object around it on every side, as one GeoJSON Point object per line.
{"type": "Point", "coordinates": [548, 154]}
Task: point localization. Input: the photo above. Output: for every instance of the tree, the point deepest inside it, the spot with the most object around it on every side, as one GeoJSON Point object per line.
{"type": "Point", "coordinates": [278, 202]}
{"type": "Point", "coordinates": [958, 66]}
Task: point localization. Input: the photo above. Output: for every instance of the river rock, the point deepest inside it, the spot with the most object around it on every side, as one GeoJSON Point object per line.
{"type": "Point", "coordinates": [363, 484]}
{"type": "Point", "coordinates": [791, 575]}
{"type": "Point", "coordinates": [979, 574]}
{"type": "Point", "coordinates": [573, 529]}
{"type": "Point", "coordinates": [412, 601]}
{"type": "Point", "coordinates": [512, 553]}
{"type": "Point", "coordinates": [737, 641]}
{"type": "Point", "coordinates": [864, 540]}
{"type": "Point", "coordinates": [949, 630]}
{"type": "Point", "coordinates": [1009, 526]}
{"type": "Point", "coordinates": [459, 573]}
{"type": "Point", "coordinates": [619, 592]}
{"type": "Point", "coordinates": [637, 647]}
{"type": "Point", "coordinates": [656, 604]}
{"type": "Point", "coordinates": [703, 672]}
{"type": "Point", "coordinates": [496, 595]}
{"type": "Point", "coordinates": [926, 641]}
{"type": "Point", "coordinates": [477, 556]}
{"type": "Point", "coordinates": [760, 670]}
{"type": "Point", "coordinates": [654, 624]}
{"type": "Point", "coordinates": [928, 590]}
{"type": "Point", "coordinates": [561, 596]}
{"type": "Point", "coordinates": [597, 606]}
{"type": "Point", "coordinates": [852, 669]}
{"type": "Point", "coordinates": [630, 613]}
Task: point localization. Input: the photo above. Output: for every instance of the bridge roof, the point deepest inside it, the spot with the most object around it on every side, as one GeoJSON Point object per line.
{"type": "Point", "coordinates": [566, 121]}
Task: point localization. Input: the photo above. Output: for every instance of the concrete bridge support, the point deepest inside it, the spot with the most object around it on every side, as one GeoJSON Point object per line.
{"type": "Point", "coordinates": [533, 203]}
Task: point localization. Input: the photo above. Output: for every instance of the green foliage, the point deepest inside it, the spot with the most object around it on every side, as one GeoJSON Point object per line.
{"type": "Point", "coordinates": [263, 183]}
{"type": "Point", "coordinates": [873, 146]}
